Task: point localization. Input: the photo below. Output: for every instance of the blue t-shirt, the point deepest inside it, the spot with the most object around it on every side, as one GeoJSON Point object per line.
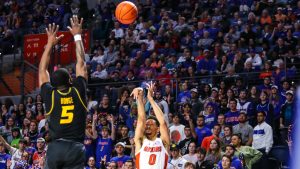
{"type": "Point", "coordinates": [104, 147]}
{"type": "Point", "coordinates": [231, 118]}
{"type": "Point", "coordinates": [120, 160]}
{"type": "Point", "coordinates": [236, 163]}
{"type": "Point", "coordinates": [3, 159]}
{"type": "Point", "coordinates": [201, 133]}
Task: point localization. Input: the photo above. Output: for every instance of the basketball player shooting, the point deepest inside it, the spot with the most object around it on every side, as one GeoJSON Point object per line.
{"type": "Point", "coordinates": [65, 102]}
{"type": "Point", "coordinates": [151, 151]}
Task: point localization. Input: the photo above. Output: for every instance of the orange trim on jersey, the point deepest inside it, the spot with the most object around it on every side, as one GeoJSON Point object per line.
{"type": "Point", "coordinates": [137, 160]}
{"type": "Point", "coordinates": [166, 160]}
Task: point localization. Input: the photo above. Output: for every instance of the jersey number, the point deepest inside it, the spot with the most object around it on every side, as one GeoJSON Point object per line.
{"type": "Point", "coordinates": [67, 114]}
{"type": "Point", "coordinates": [152, 159]}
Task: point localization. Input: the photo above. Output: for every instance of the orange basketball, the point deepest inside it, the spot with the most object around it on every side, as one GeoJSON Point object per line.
{"type": "Point", "coordinates": [126, 12]}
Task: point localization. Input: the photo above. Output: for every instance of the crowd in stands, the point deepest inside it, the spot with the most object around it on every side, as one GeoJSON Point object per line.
{"type": "Point", "coordinates": [223, 71]}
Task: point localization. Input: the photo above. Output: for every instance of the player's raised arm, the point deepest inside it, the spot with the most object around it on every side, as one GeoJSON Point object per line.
{"type": "Point", "coordinates": [141, 121]}
{"type": "Point", "coordinates": [164, 131]}
{"type": "Point", "coordinates": [52, 40]}
{"type": "Point", "coordinates": [76, 30]}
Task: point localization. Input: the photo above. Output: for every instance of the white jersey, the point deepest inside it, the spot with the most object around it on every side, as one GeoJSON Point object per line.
{"type": "Point", "coordinates": [152, 155]}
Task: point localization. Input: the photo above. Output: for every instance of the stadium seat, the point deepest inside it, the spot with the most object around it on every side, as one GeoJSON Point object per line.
{"type": "Point", "coordinates": [280, 155]}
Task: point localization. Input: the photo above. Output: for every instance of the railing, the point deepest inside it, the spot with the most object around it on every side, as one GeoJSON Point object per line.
{"type": "Point", "coordinates": [175, 83]}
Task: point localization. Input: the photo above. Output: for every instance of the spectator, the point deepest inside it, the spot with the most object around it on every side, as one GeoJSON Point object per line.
{"type": "Point", "coordinates": [262, 138]}
{"type": "Point", "coordinates": [91, 163]}
{"type": "Point", "coordinates": [176, 159]}
{"type": "Point", "coordinates": [40, 153]}
{"type": "Point", "coordinates": [190, 136]}
{"type": "Point", "coordinates": [235, 161]}
{"type": "Point", "coordinates": [119, 32]}
{"type": "Point", "coordinates": [231, 117]}
{"type": "Point", "coordinates": [209, 115]}
{"type": "Point", "coordinates": [287, 114]}
{"type": "Point", "coordinates": [128, 165]}
{"type": "Point", "coordinates": [4, 156]}
{"type": "Point", "coordinates": [177, 130]}
{"type": "Point", "coordinates": [244, 129]}
{"type": "Point", "coordinates": [185, 95]}
{"type": "Point", "coordinates": [110, 57]}
{"type": "Point", "coordinates": [201, 130]}
{"type": "Point", "coordinates": [266, 107]}
{"type": "Point", "coordinates": [16, 136]}
{"type": "Point", "coordinates": [255, 59]}
{"type": "Point", "coordinates": [120, 159]}
{"type": "Point", "coordinates": [215, 135]}
{"type": "Point", "coordinates": [214, 152]}
{"type": "Point", "coordinates": [191, 156]}
{"type": "Point", "coordinates": [104, 142]}
{"type": "Point", "coordinates": [249, 154]}
{"type": "Point", "coordinates": [226, 139]}
{"type": "Point", "coordinates": [16, 154]}
{"type": "Point", "coordinates": [100, 73]}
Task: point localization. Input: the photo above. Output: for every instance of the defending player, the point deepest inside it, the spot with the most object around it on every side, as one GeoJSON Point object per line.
{"type": "Point", "coordinates": [151, 151]}
{"type": "Point", "coordinates": [65, 102]}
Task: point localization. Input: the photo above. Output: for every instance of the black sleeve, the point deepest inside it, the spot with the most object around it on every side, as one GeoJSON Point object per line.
{"type": "Point", "coordinates": [46, 91]}
{"type": "Point", "coordinates": [80, 84]}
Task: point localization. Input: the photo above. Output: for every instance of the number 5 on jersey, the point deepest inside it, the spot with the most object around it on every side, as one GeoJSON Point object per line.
{"type": "Point", "coordinates": [67, 114]}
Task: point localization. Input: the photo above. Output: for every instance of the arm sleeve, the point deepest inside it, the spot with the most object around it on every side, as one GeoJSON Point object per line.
{"type": "Point", "coordinates": [269, 137]}
{"type": "Point", "coordinates": [256, 155]}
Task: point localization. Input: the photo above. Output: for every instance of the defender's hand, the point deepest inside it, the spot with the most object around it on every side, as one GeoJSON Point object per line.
{"type": "Point", "coordinates": [76, 25]}
{"type": "Point", "coordinates": [51, 33]}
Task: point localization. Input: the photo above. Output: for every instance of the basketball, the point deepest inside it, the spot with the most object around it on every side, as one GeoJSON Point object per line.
{"type": "Point", "coordinates": [126, 12]}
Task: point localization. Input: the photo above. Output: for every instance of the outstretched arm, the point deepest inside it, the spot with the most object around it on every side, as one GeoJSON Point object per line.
{"type": "Point", "coordinates": [52, 40]}
{"type": "Point", "coordinates": [141, 121]}
{"type": "Point", "coordinates": [76, 30]}
{"type": "Point", "coordinates": [164, 131]}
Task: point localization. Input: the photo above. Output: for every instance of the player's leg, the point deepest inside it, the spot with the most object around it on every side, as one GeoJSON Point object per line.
{"type": "Point", "coordinates": [75, 156]}
{"type": "Point", "coordinates": [53, 157]}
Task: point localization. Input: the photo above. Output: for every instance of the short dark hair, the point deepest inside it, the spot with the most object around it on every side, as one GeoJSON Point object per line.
{"type": "Point", "coordinates": [60, 78]}
{"type": "Point", "coordinates": [153, 118]}
{"type": "Point", "coordinates": [233, 100]}
{"type": "Point", "coordinates": [237, 135]}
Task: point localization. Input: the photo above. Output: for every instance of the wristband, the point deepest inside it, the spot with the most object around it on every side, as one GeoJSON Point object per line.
{"type": "Point", "coordinates": [77, 37]}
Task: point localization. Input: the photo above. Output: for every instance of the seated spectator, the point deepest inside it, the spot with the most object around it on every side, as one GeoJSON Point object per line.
{"type": "Point", "coordinates": [214, 151]}
{"type": "Point", "coordinates": [265, 18]}
{"type": "Point", "coordinates": [226, 139]}
{"type": "Point", "coordinates": [149, 42]}
{"type": "Point", "coordinates": [250, 155]}
{"type": "Point", "coordinates": [100, 73]}
{"type": "Point", "coordinates": [99, 56]}
{"type": "Point", "coordinates": [255, 59]}
{"type": "Point", "coordinates": [191, 156]}
{"type": "Point", "coordinates": [206, 66]}
{"type": "Point", "coordinates": [206, 41]}
{"type": "Point", "coordinates": [176, 159]}
{"type": "Point", "coordinates": [235, 161]}
{"type": "Point", "coordinates": [110, 57]}
{"type": "Point", "coordinates": [119, 32]}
